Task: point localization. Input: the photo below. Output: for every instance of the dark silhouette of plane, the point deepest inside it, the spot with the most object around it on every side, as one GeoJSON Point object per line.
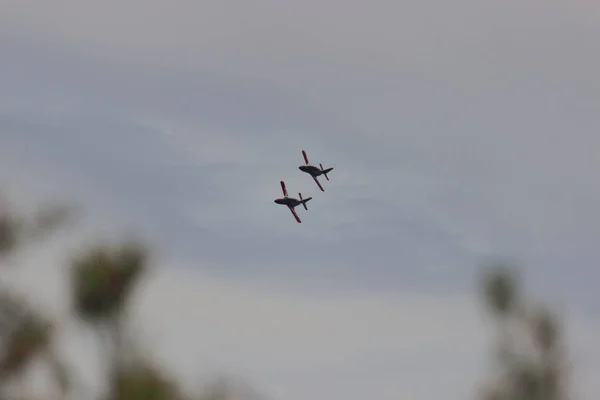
{"type": "Point", "coordinates": [314, 171]}
{"type": "Point", "coordinates": [290, 202]}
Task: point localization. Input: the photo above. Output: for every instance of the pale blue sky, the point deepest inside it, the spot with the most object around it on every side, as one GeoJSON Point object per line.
{"type": "Point", "coordinates": [457, 130]}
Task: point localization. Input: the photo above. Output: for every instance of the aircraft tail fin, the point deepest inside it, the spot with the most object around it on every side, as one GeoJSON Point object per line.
{"type": "Point", "coordinates": [304, 201]}
{"type": "Point", "coordinates": [325, 171]}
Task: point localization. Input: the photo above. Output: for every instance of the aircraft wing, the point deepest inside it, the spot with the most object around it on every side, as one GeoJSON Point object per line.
{"type": "Point", "coordinates": [295, 215]}
{"type": "Point", "coordinates": [305, 157]}
{"type": "Point", "coordinates": [283, 189]}
{"type": "Point", "coordinates": [318, 183]}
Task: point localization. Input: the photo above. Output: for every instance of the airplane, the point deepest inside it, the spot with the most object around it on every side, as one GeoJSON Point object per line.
{"type": "Point", "coordinates": [290, 202]}
{"type": "Point", "coordinates": [314, 171]}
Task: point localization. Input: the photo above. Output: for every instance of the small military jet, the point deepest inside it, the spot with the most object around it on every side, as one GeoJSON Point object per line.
{"type": "Point", "coordinates": [314, 171]}
{"type": "Point", "coordinates": [290, 202]}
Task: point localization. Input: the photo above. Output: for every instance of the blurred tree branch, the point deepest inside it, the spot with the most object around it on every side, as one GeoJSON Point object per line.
{"type": "Point", "coordinates": [538, 374]}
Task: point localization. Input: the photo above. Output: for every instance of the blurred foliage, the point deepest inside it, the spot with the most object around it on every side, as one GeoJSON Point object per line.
{"type": "Point", "coordinates": [48, 218]}
{"type": "Point", "coordinates": [536, 374]}
{"type": "Point", "coordinates": [500, 285]}
{"type": "Point", "coordinates": [31, 336]}
{"type": "Point", "coordinates": [103, 277]}
{"type": "Point", "coordinates": [142, 381]}
{"type": "Point", "coordinates": [9, 232]}
{"type": "Point", "coordinates": [17, 230]}
{"type": "Point", "coordinates": [24, 335]}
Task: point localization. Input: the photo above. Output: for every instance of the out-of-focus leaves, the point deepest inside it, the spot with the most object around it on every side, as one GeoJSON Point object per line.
{"type": "Point", "coordinates": [10, 229]}
{"type": "Point", "coordinates": [16, 230]}
{"type": "Point", "coordinates": [102, 278]}
{"type": "Point", "coordinates": [525, 381]}
{"type": "Point", "coordinates": [501, 290]}
{"type": "Point", "coordinates": [551, 382]}
{"type": "Point", "coordinates": [545, 329]}
{"type": "Point", "coordinates": [132, 258]}
{"type": "Point", "coordinates": [143, 382]}
{"type": "Point", "coordinates": [12, 311]}
{"type": "Point", "coordinates": [27, 339]}
{"type": "Point", "coordinates": [526, 375]}
{"type": "Point", "coordinates": [49, 217]}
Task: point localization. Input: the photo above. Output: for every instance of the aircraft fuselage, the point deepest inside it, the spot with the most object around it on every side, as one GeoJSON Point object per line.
{"type": "Point", "coordinates": [310, 169]}
{"type": "Point", "coordinates": [288, 201]}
